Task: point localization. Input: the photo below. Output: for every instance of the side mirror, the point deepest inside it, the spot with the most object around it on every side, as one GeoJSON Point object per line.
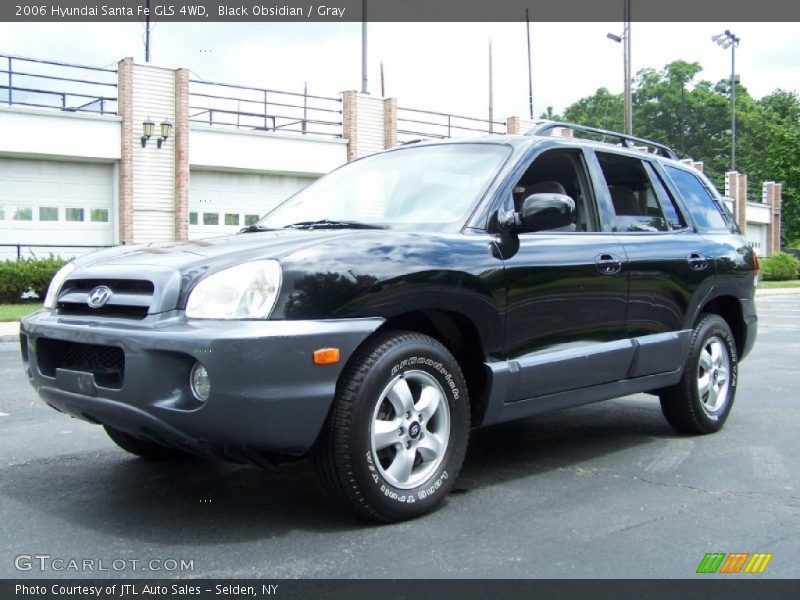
{"type": "Point", "coordinates": [547, 211]}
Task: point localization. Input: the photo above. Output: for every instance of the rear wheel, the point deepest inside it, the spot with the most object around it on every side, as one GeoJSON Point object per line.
{"type": "Point", "coordinates": [397, 433]}
{"type": "Point", "coordinates": [143, 448]}
{"type": "Point", "coordinates": [702, 400]}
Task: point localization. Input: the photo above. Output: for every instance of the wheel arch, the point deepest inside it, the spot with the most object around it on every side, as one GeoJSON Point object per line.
{"type": "Point", "coordinates": [459, 334]}
{"type": "Point", "coordinates": [730, 309]}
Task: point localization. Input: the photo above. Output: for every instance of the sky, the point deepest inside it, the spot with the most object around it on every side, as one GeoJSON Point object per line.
{"type": "Point", "coordinates": [433, 66]}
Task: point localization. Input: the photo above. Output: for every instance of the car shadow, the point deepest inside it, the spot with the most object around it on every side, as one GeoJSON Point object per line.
{"type": "Point", "coordinates": [196, 502]}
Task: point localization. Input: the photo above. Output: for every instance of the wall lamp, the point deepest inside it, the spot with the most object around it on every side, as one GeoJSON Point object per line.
{"type": "Point", "coordinates": [147, 130]}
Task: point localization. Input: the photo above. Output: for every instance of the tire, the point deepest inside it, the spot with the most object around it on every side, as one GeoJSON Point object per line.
{"type": "Point", "coordinates": [702, 400]}
{"type": "Point", "coordinates": [143, 448]}
{"type": "Point", "coordinates": [396, 435]}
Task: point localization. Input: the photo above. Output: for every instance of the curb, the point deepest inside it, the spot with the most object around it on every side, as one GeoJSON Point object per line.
{"type": "Point", "coordinates": [778, 292]}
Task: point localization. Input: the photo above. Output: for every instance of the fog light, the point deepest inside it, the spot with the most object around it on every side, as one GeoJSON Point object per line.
{"type": "Point", "coordinates": [200, 382]}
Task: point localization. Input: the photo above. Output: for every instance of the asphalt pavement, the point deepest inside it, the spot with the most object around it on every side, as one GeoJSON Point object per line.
{"type": "Point", "coordinates": [606, 490]}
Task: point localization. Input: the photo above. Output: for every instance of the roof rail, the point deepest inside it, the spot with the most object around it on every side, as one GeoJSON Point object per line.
{"type": "Point", "coordinates": [629, 141]}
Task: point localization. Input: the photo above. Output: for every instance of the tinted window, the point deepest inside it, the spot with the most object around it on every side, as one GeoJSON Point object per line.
{"type": "Point", "coordinates": [671, 212]}
{"type": "Point", "coordinates": [558, 172]}
{"type": "Point", "coordinates": [635, 202]}
{"type": "Point", "coordinates": [698, 200]}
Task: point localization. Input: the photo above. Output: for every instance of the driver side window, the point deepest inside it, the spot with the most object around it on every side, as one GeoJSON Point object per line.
{"type": "Point", "coordinates": [558, 172]}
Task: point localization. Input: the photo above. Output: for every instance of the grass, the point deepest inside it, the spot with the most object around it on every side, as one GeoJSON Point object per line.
{"type": "Point", "coordinates": [14, 312]}
{"type": "Point", "coordinates": [767, 285]}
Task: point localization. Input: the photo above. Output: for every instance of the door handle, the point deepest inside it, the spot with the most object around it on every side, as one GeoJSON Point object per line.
{"type": "Point", "coordinates": [608, 264]}
{"type": "Point", "coordinates": [697, 261]}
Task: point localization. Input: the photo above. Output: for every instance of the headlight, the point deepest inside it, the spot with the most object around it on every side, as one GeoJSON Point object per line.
{"type": "Point", "coordinates": [56, 283]}
{"type": "Point", "coordinates": [246, 291]}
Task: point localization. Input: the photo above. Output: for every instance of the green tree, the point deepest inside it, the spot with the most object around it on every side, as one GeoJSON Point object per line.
{"type": "Point", "coordinates": [693, 116]}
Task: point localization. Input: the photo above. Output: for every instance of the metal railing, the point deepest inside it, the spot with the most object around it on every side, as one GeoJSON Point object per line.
{"type": "Point", "coordinates": [19, 248]}
{"type": "Point", "coordinates": [239, 106]}
{"type": "Point", "coordinates": [59, 85]}
{"type": "Point", "coordinates": [414, 123]}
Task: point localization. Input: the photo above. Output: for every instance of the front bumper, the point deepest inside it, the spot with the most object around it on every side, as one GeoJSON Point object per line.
{"type": "Point", "coordinates": [266, 392]}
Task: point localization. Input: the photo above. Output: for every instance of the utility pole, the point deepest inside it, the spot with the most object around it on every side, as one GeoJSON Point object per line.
{"type": "Point", "coordinates": [364, 87]}
{"type": "Point", "coordinates": [491, 91]}
{"type": "Point", "coordinates": [383, 88]}
{"type": "Point", "coordinates": [733, 105]}
{"type": "Point", "coordinates": [530, 67]}
{"type": "Point", "coordinates": [147, 34]}
{"type": "Point", "coordinates": [626, 36]}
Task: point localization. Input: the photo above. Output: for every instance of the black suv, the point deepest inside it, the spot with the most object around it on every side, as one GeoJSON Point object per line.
{"type": "Point", "coordinates": [373, 318]}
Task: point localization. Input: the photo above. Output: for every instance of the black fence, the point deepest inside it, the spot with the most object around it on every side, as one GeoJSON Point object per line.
{"type": "Point", "coordinates": [214, 103]}
{"type": "Point", "coordinates": [64, 86]}
{"type": "Point", "coordinates": [415, 123]}
{"type": "Point", "coordinates": [43, 250]}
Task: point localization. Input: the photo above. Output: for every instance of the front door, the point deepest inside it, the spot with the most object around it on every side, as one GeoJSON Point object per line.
{"type": "Point", "coordinates": [566, 290]}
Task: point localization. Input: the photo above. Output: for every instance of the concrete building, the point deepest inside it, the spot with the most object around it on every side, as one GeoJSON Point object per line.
{"type": "Point", "coordinates": [139, 153]}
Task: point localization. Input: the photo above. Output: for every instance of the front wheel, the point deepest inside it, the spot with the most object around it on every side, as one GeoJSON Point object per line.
{"type": "Point", "coordinates": [397, 433]}
{"type": "Point", "coordinates": [702, 400]}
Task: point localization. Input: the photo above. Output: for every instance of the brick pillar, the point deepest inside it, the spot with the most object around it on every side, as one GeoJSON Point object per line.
{"type": "Point", "coordinates": [125, 110]}
{"type": "Point", "coordinates": [512, 125]}
{"type": "Point", "coordinates": [365, 125]}
{"type": "Point", "coordinates": [777, 210]}
{"type": "Point", "coordinates": [736, 188]}
{"type": "Point", "coordinates": [389, 123]}
{"type": "Point", "coordinates": [772, 197]}
{"type": "Point", "coordinates": [349, 121]}
{"type": "Point", "coordinates": [181, 136]}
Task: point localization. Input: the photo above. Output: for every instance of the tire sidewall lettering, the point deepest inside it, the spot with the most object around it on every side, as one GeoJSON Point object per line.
{"type": "Point", "coordinates": [441, 480]}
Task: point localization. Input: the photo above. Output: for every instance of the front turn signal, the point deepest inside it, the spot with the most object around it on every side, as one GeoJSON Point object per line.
{"type": "Point", "coordinates": [326, 356]}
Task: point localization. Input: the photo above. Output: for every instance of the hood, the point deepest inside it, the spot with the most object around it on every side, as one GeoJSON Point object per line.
{"type": "Point", "coordinates": [210, 253]}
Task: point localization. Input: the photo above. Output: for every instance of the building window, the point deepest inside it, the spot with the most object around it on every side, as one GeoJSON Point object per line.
{"type": "Point", "coordinates": [231, 219]}
{"type": "Point", "coordinates": [98, 215]}
{"type": "Point", "coordinates": [48, 213]}
{"type": "Point", "coordinates": [73, 214]}
{"type": "Point", "coordinates": [250, 220]}
{"type": "Point", "coordinates": [2, 213]}
{"type": "Point", "coordinates": [22, 213]}
{"type": "Point", "coordinates": [192, 218]}
{"type": "Point", "coordinates": [210, 218]}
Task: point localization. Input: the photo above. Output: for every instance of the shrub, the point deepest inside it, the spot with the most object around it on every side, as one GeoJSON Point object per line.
{"type": "Point", "coordinates": [27, 275]}
{"type": "Point", "coordinates": [780, 267]}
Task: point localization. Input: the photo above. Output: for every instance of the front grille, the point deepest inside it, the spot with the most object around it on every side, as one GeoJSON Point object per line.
{"type": "Point", "coordinates": [106, 363]}
{"type": "Point", "coordinates": [130, 298]}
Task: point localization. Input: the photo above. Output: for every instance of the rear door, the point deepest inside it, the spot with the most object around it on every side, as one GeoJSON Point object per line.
{"type": "Point", "coordinates": [670, 264]}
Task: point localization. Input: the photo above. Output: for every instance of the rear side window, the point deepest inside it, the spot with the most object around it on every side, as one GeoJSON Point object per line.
{"type": "Point", "coordinates": [636, 204]}
{"type": "Point", "coordinates": [698, 200]}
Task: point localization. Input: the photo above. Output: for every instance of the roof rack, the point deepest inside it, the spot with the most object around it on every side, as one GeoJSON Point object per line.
{"type": "Point", "coordinates": [629, 141]}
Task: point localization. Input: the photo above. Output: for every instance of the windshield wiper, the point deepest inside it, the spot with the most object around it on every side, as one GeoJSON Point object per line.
{"type": "Point", "coordinates": [254, 229]}
{"type": "Point", "coordinates": [328, 224]}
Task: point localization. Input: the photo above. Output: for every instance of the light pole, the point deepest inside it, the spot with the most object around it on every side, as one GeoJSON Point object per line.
{"type": "Point", "coordinates": [729, 40]}
{"type": "Point", "coordinates": [626, 65]}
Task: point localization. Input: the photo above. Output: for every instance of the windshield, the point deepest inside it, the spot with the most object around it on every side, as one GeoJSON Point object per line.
{"type": "Point", "coordinates": [422, 187]}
